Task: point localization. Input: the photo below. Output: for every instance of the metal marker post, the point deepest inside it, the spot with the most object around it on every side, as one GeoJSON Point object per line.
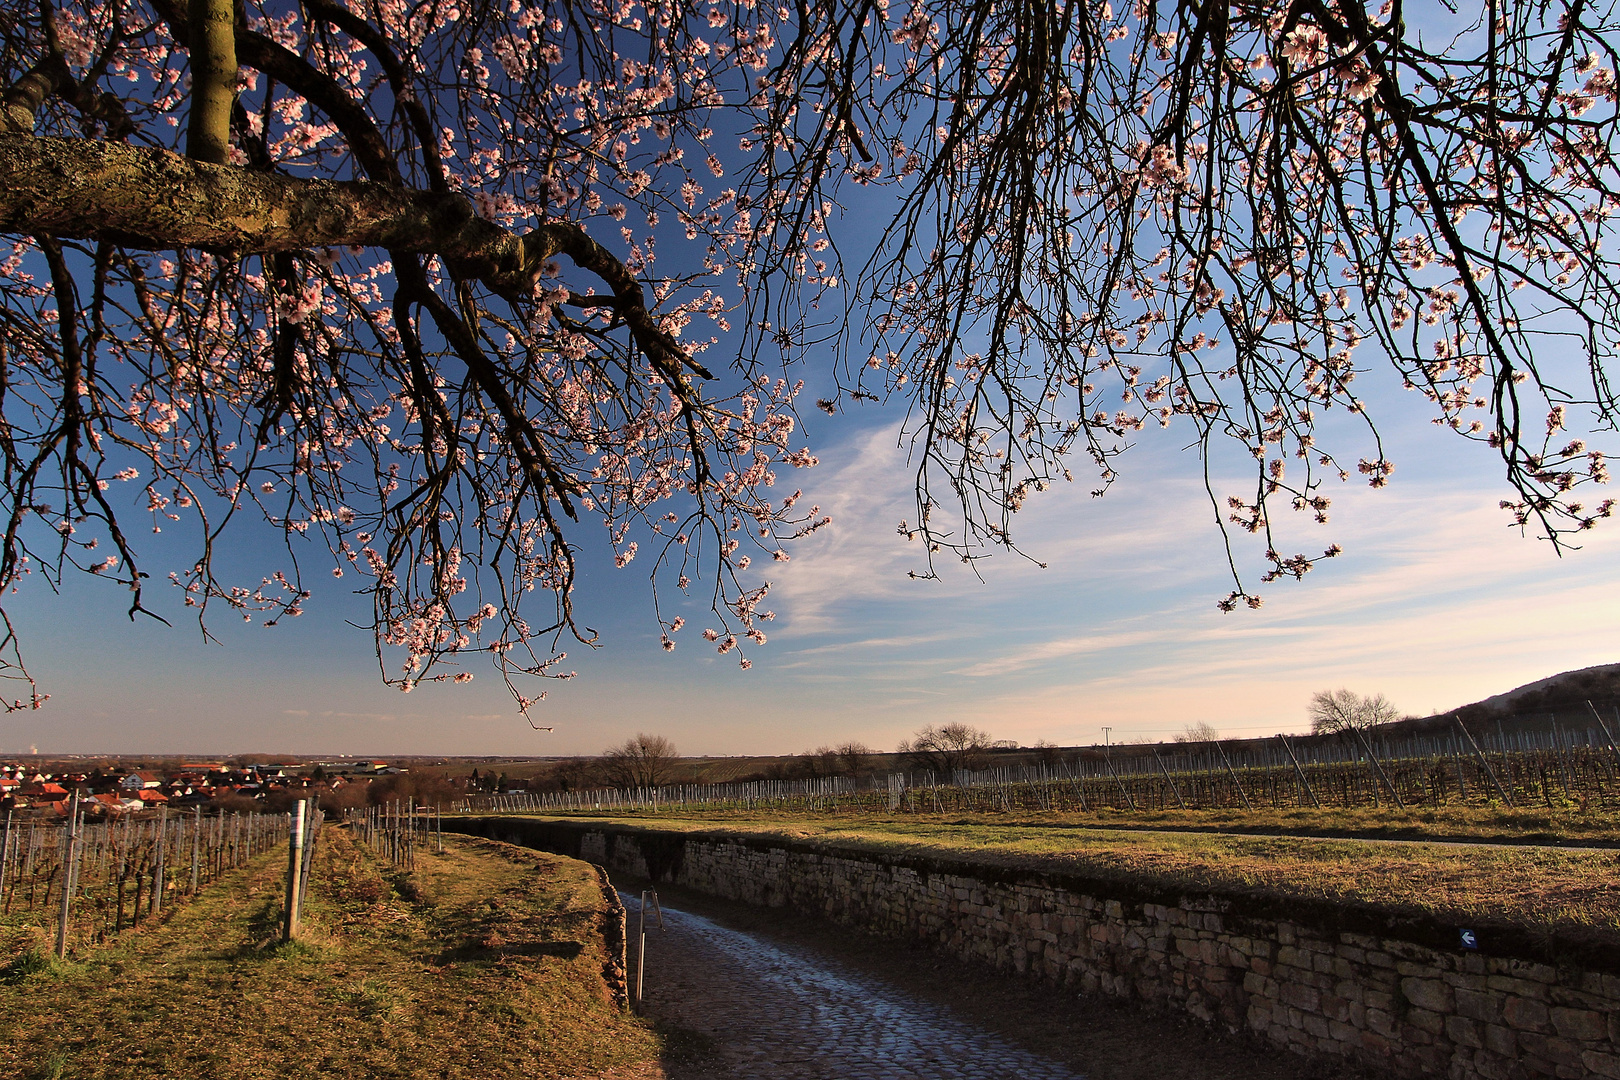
{"type": "Point", "coordinates": [157, 861]}
{"type": "Point", "coordinates": [196, 848]}
{"type": "Point", "coordinates": [295, 859]}
{"type": "Point", "coordinates": [69, 858]}
{"type": "Point", "coordinates": [5, 856]}
{"type": "Point", "coordinates": [641, 934]}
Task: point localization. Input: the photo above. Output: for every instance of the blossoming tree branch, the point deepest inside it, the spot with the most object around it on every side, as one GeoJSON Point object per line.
{"type": "Point", "coordinates": [443, 286]}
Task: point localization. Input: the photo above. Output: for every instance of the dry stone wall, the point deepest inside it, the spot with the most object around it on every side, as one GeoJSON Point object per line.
{"type": "Point", "coordinates": [1394, 992]}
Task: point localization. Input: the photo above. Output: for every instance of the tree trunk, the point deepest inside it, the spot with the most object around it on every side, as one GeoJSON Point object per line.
{"type": "Point", "coordinates": [213, 80]}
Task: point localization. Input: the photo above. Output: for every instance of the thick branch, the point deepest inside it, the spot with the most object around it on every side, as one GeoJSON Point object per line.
{"type": "Point", "coordinates": [88, 190]}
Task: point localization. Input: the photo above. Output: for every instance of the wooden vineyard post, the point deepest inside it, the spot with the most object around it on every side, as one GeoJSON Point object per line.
{"type": "Point", "coordinates": [1121, 784]}
{"type": "Point", "coordinates": [1168, 780]}
{"type": "Point", "coordinates": [1485, 762]}
{"type": "Point", "coordinates": [69, 857]}
{"type": "Point", "coordinates": [312, 837]}
{"type": "Point", "coordinates": [1462, 784]}
{"type": "Point", "coordinates": [295, 877]}
{"type": "Point", "coordinates": [1233, 773]}
{"type": "Point", "coordinates": [1372, 757]}
{"type": "Point", "coordinates": [1300, 772]}
{"type": "Point", "coordinates": [1596, 715]}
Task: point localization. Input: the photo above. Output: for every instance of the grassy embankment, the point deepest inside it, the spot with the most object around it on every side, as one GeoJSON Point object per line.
{"type": "Point", "coordinates": [1527, 885]}
{"type": "Point", "coordinates": [486, 961]}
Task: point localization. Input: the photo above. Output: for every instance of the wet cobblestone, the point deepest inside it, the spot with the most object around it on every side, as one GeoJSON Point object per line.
{"type": "Point", "coordinates": [787, 1014]}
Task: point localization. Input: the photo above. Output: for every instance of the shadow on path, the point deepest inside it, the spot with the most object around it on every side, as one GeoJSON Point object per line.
{"type": "Point", "coordinates": [747, 993]}
{"type": "Point", "coordinates": [785, 1012]}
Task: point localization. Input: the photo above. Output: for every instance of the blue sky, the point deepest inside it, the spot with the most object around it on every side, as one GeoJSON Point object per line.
{"type": "Point", "coordinates": [1435, 602]}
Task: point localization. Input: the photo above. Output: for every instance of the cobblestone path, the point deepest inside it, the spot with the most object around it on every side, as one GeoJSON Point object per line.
{"type": "Point", "coordinates": [786, 1014]}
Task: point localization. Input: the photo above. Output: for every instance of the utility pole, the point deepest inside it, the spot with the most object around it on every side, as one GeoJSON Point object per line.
{"type": "Point", "coordinates": [1106, 730]}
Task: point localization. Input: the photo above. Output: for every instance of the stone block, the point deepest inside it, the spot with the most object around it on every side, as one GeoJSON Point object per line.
{"type": "Point", "coordinates": [1527, 969]}
{"type": "Point", "coordinates": [1299, 996]}
{"type": "Point", "coordinates": [1478, 1005]}
{"type": "Point", "coordinates": [1375, 1045]}
{"type": "Point", "coordinates": [1507, 984]}
{"type": "Point", "coordinates": [1423, 1020]}
{"type": "Point", "coordinates": [1601, 1064]}
{"type": "Point", "coordinates": [1585, 1024]}
{"type": "Point", "coordinates": [1557, 1050]}
{"type": "Point", "coordinates": [1335, 1008]}
{"type": "Point", "coordinates": [1464, 1032]}
{"type": "Point", "coordinates": [1526, 1015]}
{"type": "Point", "coordinates": [1501, 1040]}
{"type": "Point", "coordinates": [1430, 994]}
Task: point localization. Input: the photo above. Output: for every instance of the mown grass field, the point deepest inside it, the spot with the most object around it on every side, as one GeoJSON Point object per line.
{"type": "Point", "coordinates": [1512, 881]}
{"type": "Point", "coordinates": [486, 961]}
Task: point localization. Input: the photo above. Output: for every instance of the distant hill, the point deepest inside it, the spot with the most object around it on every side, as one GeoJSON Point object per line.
{"type": "Point", "coordinates": [1536, 706]}
{"type": "Point", "coordinates": [1571, 689]}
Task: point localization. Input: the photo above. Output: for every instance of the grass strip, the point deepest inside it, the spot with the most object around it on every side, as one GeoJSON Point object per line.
{"type": "Point", "coordinates": [485, 961]}
{"type": "Point", "coordinates": [1534, 887]}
